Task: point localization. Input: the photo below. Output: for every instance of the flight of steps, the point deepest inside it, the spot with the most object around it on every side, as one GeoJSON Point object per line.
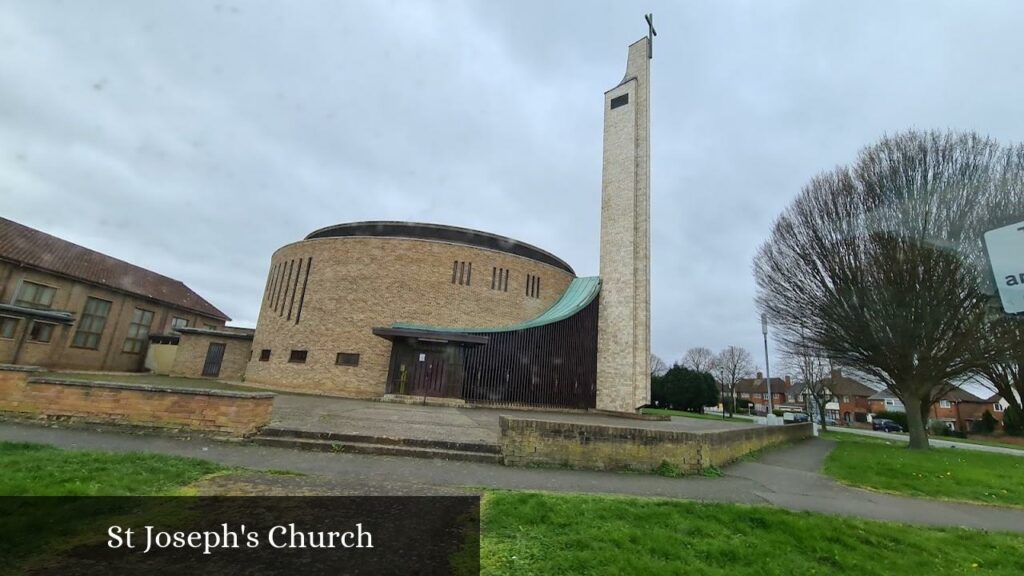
{"type": "Point", "coordinates": [379, 445]}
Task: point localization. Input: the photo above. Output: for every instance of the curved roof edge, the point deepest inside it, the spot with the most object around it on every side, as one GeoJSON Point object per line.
{"type": "Point", "coordinates": [580, 293]}
{"type": "Point", "coordinates": [442, 233]}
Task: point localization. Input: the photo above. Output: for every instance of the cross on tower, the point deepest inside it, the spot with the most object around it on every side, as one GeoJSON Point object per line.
{"type": "Point", "coordinates": [651, 33]}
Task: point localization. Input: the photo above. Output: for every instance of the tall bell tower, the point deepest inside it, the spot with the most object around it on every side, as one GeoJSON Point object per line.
{"type": "Point", "coordinates": [624, 324]}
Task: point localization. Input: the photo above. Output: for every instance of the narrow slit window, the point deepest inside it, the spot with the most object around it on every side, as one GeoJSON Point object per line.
{"type": "Point", "coordinates": [455, 271]}
{"type": "Point", "coordinates": [265, 355]}
{"type": "Point", "coordinates": [469, 272]}
{"type": "Point", "coordinates": [302, 295]}
{"type": "Point", "coordinates": [494, 276]}
{"type": "Point", "coordinates": [295, 288]}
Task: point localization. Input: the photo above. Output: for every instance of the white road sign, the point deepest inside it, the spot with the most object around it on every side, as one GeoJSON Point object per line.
{"type": "Point", "coordinates": [1006, 252]}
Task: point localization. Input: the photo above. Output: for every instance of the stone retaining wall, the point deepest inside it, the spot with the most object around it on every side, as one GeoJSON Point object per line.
{"type": "Point", "coordinates": [599, 447]}
{"type": "Point", "coordinates": [213, 412]}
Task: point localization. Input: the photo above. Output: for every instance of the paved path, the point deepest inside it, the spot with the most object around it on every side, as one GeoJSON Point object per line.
{"type": "Point", "coordinates": [787, 478]}
{"type": "Point", "coordinates": [936, 442]}
{"type": "Point", "coordinates": [468, 425]}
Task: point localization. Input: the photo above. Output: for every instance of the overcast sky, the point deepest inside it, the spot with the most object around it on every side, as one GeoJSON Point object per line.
{"type": "Point", "coordinates": [195, 138]}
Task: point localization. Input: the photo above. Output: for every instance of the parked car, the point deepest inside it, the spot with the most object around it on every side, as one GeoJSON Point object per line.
{"type": "Point", "coordinates": [886, 425]}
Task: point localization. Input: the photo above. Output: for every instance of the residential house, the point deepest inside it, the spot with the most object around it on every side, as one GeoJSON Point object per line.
{"type": "Point", "coordinates": [755, 390]}
{"type": "Point", "coordinates": [885, 401]}
{"type": "Point", "coordinates": [65, 306]}
{"type": "Point", "coordinates": [851, 398]}
{"type": "Point", "coordinates": [960, 409]}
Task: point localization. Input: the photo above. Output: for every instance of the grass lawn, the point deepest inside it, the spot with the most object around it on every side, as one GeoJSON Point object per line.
{"type": "Point", "coordinates": [37, 470]}
{"type": "Point", "coordinates": [540, 533]}
{"type": "Point", "coordinates": [151, 380]}
{"type": "Point", "coordinates": [535, 533]}
{"type": "Point", "coordinates": [945, 473]}
{"type": "Point", "coordinates": [667, 412]}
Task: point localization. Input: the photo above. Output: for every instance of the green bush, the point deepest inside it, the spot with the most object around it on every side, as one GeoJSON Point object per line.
{"type": "Point", "coordinates": [1013, 422]}
{"type": "Point", "coordinates": [777, 413]}
{"type": "Point", "coordinates": [938, 428]}
{"type": "Point", "coordinates": [986, 425]}
{"type": "Point", "coordinates": [897, 417]}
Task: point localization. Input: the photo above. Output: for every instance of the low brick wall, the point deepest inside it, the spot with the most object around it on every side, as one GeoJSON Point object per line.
{"type": "Point", "coordinates": [213, 412]}
{"type": "Point", "coordinates": [600, 447]}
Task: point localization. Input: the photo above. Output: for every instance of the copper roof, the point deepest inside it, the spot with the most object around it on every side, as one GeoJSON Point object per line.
{"type": "Point", "coordinates": [26, 246]}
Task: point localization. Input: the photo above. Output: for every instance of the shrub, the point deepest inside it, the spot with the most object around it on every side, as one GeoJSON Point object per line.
{"type": "Point", "coordinates": [777, 413]}
{"type": "Point", "coordinates": [938, 428]}
{"type": "Point", "coordinates": [986, 425]}
{"type": "Point", "coordinates": [1013, 421]}
{"type": "Point", "coordinates": [897, 417]}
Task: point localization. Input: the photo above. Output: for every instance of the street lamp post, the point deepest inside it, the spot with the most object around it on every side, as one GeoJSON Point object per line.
{"type": "Point", "coordinates": [767, 371]}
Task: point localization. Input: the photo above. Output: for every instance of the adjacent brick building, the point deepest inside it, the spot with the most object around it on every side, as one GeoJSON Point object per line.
{"type": "Point", "coordinates": [65, 306]}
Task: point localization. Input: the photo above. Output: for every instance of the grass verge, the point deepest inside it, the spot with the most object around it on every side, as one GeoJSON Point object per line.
{"type": "Point", "coordinates": [944, 473]}
{"type": "Point", "coordinates": [666, 412]}
{"type": "Point", "coordinates": [37, 470]}
{"type": "Point", "coordinates": [537, 533]}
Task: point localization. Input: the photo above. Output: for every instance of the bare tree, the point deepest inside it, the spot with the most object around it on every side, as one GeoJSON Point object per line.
{"type": "Point", "coordinates": [699, 359]}
{"type": "Point", "coordinates": [729, 366]}
{"type": "Point", "coordinates": [877, 266]}
{"type": "Point", "coordinates": [1005, 340]}
{"type": "Point", "coordinates": [815, 373]}
{"type": "Point", "coordinates": [658, 366]}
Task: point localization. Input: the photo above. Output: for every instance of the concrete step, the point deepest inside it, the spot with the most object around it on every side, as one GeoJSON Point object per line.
{"type": "Point", "coordinates": [349, 447]}
{"type": "Point", "coordinates": [282, 432]}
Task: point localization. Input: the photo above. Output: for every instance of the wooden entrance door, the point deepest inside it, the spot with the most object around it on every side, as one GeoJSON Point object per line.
{"type": "Point", "coordinates": [214, 357]}
{"type": "Point", "coordinates": [427, 375]}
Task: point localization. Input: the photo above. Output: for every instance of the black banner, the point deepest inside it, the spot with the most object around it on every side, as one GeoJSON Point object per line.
{"type": "Point", "coordinates": [239, 535]}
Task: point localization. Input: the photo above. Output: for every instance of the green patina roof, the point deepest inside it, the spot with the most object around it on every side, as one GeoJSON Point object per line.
{"type": "Point", "coordinates": [577, 296]}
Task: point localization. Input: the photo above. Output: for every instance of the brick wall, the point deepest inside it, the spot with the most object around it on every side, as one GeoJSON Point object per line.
{"type": "Point", "coordinates": [214, 412]}
{"type": "Point", "coordinates": [191, 356]}
{"type": "Point", "coordinates": [600, 447]}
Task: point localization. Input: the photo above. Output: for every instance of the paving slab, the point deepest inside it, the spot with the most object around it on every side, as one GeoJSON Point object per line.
{"type": "Point", "coordinates": [444, 423]}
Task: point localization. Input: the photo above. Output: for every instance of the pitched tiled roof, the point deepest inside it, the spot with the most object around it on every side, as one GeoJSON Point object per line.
{"type": "Point", "coordinates": [845, 386]}
{"type": "Point", "coordinates": [30, 247]}
{"type": "Point", "coordinates": [756, 385]}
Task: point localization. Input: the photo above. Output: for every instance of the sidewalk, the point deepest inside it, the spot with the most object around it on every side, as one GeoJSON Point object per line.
{"type": "Point", "coordinates": [786, 478]}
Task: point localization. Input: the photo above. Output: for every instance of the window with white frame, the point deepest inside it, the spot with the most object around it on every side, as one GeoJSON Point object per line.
{"type": "Point", "coordinates": [997, 407]}
{"type": "Point", "coordinates": [943, 403]}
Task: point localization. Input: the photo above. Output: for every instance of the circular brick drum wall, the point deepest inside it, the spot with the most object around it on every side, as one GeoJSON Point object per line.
{"type": "Point", "coordinates": [326, 293]}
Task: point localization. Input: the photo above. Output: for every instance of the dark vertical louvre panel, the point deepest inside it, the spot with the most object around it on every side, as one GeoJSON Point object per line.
{"type": "Point", "coordinates": [302, 297]}
{"type": "Point", "coordinates": [537, 288]}
{"type": "Point", "coordinates": [506, 281]}
{"type": "Point", "coordinates": [552, 365]}
{"type": "Point", "coordinates": [284, 293]}
{"type": "Point", "coordinates": [494, 276]}
{"type": "Point", "coordinates": [469, 272]}
{"type": "Point", "coordinates": [291, 305]}
{"type": "Point", "coordinates": [455, 270]}
{"type": "Point", "coordinates": [462, 272]}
